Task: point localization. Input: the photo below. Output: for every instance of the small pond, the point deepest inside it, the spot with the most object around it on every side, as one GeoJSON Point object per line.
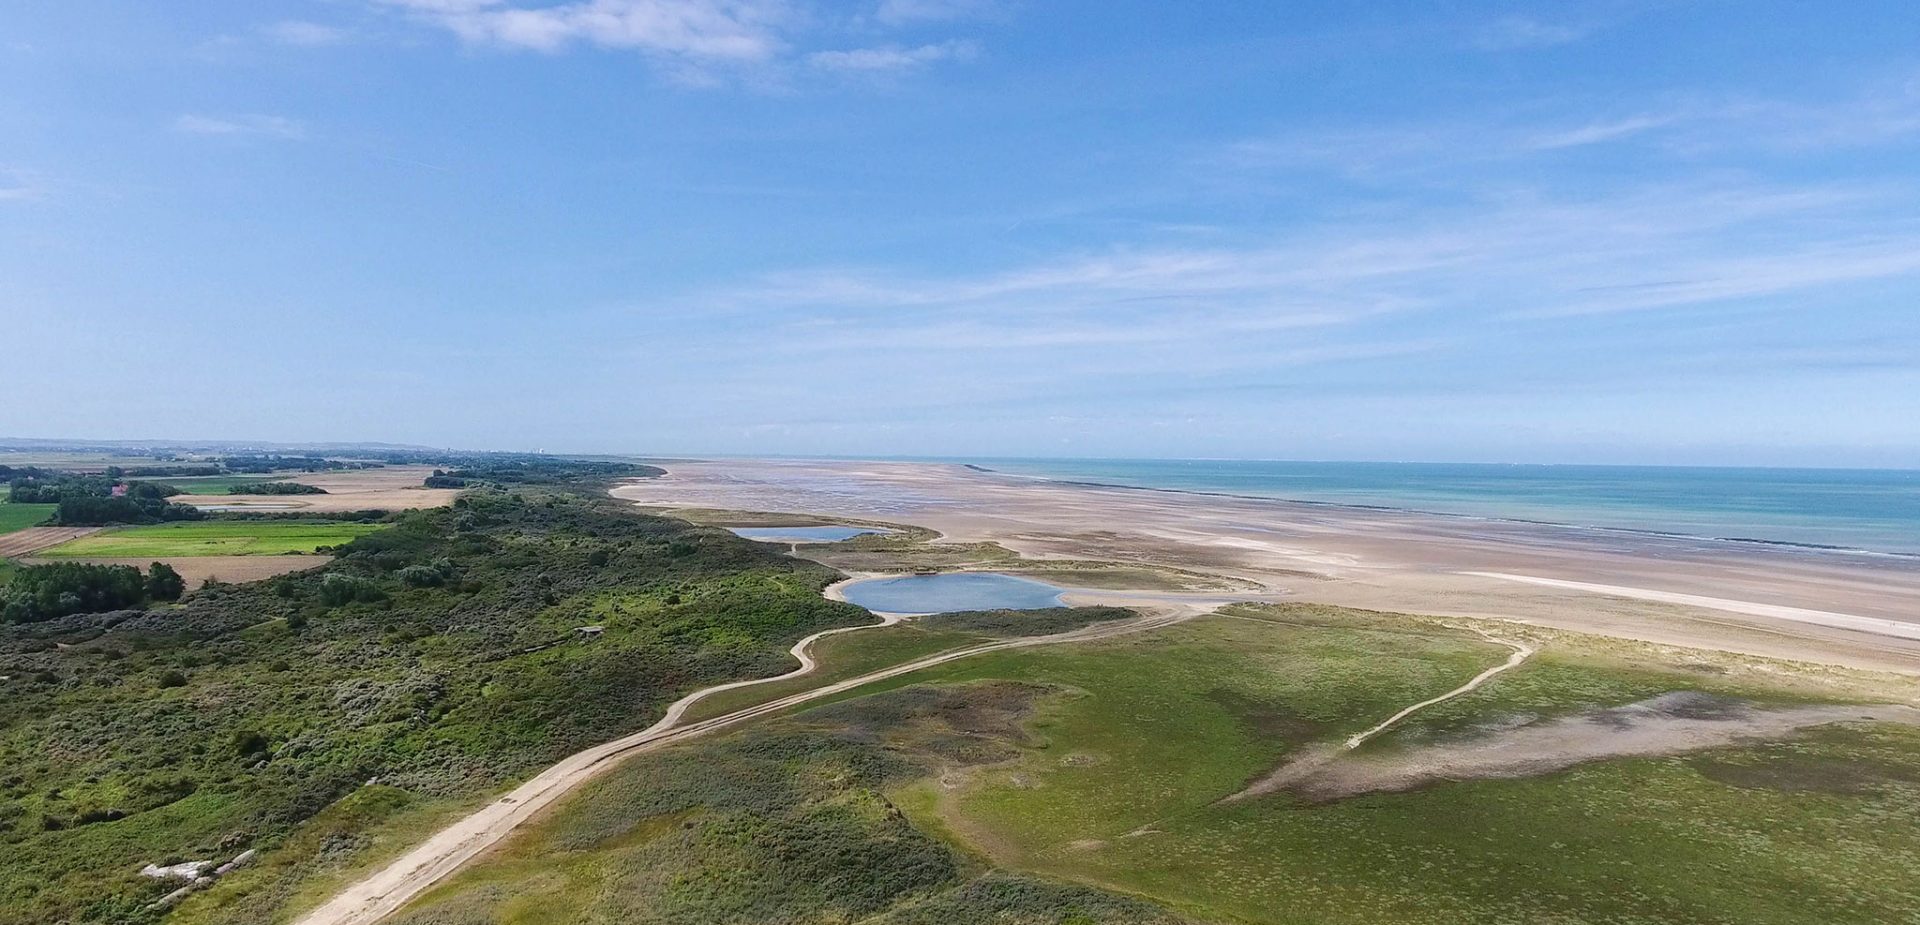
{"type": "Point", "coordinates": [821, 534]}
{"type": "Point", "coordinates": [947, 593]}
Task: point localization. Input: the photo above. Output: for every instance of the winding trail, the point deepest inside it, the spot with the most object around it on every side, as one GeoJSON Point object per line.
{"type": "Point", "coordinates": [379, 894]}
{"type": "Point", "coordinates": [1316, 759]}
{"type": "Point", "coordinates": [1521, 652]}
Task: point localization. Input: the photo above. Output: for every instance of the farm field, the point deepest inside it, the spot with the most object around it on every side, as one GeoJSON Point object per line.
{"type": "Point", "coordinates": [21, 516]}
{"type": "Point", "coordinates": [210, 538]}
{"type": "Point", "coordinates": [214, 484]}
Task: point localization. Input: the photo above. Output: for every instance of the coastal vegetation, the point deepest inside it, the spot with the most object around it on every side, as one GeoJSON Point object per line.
{"type": "Point", "coordinates": [45, 592]}
{"type": "Point", "coordinates": [1132, 757]}
{"type": "Point", "coordinates": [435, 655]}
{"type": "Point", "coordinates": [787, 823]}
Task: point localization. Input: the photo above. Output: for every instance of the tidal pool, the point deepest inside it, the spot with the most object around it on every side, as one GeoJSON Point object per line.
{"type": "Point", "coordinates": [821, 534]}
{"type": "Point", "coordinates": [947, 593]}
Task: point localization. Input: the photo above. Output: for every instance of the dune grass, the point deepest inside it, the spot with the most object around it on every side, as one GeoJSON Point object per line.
{"type": "Point", "coordinates": [1121, 782]}
{"type": "Point", "coordinates": [212, 538]}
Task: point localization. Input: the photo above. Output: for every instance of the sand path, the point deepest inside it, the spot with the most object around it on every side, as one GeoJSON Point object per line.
{"type": "Point", "coordinates": [386, 890]}
{"type": "Point", "coordinates": [1521, 652]}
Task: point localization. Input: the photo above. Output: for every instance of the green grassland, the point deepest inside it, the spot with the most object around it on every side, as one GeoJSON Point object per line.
{"type": "Point", "coordinates": [21, 516]}
{"type": "Point", "coordinates": [213, 484]}
{"type": "Point", "coordinates": [436, 656]}
{"type": "Point", "coordinates": [848, 655]}
{"type": "Point", "coordinates": [1081, 783]}
{"type": "Point", "coordinates": [212, 538]}
{"type": "Point", "coordinates": [789, 823]}
{"type": "Point", "coordinates": [1120, 785]}
{"type": "Point", "coordinates": [840, 657]}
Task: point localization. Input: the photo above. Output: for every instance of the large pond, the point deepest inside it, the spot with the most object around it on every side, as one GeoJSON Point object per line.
{"type": "Point", "coordinates": [821, 534]}
{"type": "Point", "coordinates": [950, 592]}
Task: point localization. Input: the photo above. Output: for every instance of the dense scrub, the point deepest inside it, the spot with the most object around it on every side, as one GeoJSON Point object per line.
{"type": "Point", "coordinates": [437, 656]}
{"type": "Point", "coordinates": [276, 488]}
{"type": "Point", "coordinates": [46, 592]}
{"type": "Point", "coordinates": [786, 824]}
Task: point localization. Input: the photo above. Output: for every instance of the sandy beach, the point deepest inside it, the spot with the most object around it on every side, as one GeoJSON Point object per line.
{"type": "Point", "coordinates": [1852, 610]}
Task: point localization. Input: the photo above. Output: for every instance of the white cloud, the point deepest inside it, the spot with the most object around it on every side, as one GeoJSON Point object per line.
{"type": "Point", "coordinates": [1517, 32]}
{"type": "Point", "coordinates": [706, 30]}
{"type": "Point", "coordinates": [17, 185]}
{"type": "Point", "coordinates": [305, 34]}
{"type": "Point", "coordinates": [904, 12]}
{"type": "Point", "coordinates": [891, 58]}
{"type": "Point", "coordinates": [1600, 132]}
{"type": "Point", "coordinates": [257, 125]}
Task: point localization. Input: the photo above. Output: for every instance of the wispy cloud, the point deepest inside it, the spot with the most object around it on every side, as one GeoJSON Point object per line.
{"type": "Point", "coordinates": [304, 34]}
{"type": "Point", "coordinates": [891, 57]}
{"type": "Point", "coordinates": [710, 30]}
{"type": "Point", "coordinates": [1539, 262]}
{"type": "Point", "coordinates": [279, 127]}
{"type": "Point", "coordinates": [1600, 132]}
{"type": "Point", "coordinates": [903, 12]}
{"type": "Point", "coordinates": [1518, 32]}
{"type": "Point", "coordinates": [18, 185]}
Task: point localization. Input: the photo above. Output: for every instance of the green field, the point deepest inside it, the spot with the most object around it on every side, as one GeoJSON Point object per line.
{"type": "Point", "coordinates": [212, 484]}
{"type": "Point", "coordinates": [211, 538]}
{"type": "Point", "coordinates": [21, 516]}
{"type": "Point", "coordinates": [1103, 764]}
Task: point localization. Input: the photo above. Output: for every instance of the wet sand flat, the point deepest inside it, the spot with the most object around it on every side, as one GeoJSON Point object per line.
{"type": "Point", "coordinates": [1770, 598]}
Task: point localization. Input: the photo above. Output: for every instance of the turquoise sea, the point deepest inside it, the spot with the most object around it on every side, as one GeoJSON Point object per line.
{"type": "Point", "coordinates": [1869, 510]}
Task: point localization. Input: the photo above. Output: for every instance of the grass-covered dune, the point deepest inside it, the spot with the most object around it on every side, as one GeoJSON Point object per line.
{"type": "Point", "coordinates": [1091, 782]}
{"type": "Point", "coordinates": [435, 656]}
{"type": "Point", "coordinates": [790, 823]}
{"type": "Point", "coordinates": [1125, 776]}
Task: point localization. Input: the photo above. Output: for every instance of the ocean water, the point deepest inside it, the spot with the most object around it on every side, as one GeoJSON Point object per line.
{"type": "Point", "coordinates": [821, 534]}
{"type": "Point", "coordinates": [951, 592]}
{"type": "Point", "coordinates": [1870, 510]}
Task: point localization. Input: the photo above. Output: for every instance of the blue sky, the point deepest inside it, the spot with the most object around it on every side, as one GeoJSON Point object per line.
{"type": "Point", "coordinates": [1662, 232]}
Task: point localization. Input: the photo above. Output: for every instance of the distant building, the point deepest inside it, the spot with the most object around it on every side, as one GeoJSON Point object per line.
{"type": "Point", "coordinates": [591, 632]}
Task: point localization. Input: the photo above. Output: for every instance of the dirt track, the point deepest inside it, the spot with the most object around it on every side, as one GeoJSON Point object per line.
{"type": "Point", "coordinates": [386, 890]}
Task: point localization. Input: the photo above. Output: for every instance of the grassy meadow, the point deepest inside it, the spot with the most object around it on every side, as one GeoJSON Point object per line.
{"type": "Point", "coordinates": [787, 823]}
{"type": "Point", "coordinates": [212, 538]}
{"type": "Point", "coordinates": [1120, 786]}
{"type": "Point", "coordinates": [21, 516]}
{"type": "Point", "coordinates": [215, 484]}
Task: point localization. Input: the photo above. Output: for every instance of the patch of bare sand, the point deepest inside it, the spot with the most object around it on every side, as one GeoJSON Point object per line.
{"type": "Point", "coordinates": [1674, 723]}
{"type": "Point", "coordinates": [1376, 559]}
{"type": "Point", "coordinates": [391, 488]}
{"type": "Point", "coordinates": [198, 570]}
